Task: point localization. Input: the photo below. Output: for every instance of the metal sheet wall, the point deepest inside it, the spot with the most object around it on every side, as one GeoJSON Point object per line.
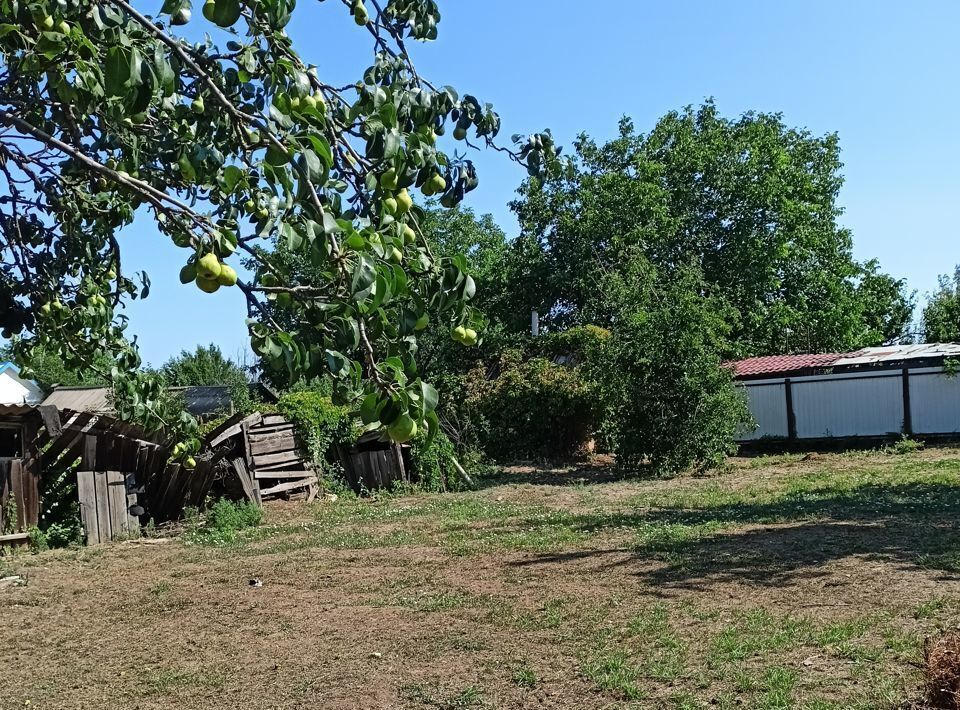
{"type": "Point", "coordinates": [850, 405]}
{"type": "Point", "coordinates": [838, 406]}
{"type": "Point", "coordinates": [769, 408]}
{"type": "Point", "coordinates": [934, 403]}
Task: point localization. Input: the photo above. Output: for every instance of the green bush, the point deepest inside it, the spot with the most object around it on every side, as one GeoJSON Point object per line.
{"type": "Point", "coordinates": [433, 463]}
{"type": "Point", "coordinates": [532, 408]}
{"type": "Point", "coordinates": [669, 404]}
{"type": "Point", "coordinates": [228, 516]}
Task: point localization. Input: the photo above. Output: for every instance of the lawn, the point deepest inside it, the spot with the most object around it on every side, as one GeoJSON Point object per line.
{"type": "Point", "coordinates": [787, 581]}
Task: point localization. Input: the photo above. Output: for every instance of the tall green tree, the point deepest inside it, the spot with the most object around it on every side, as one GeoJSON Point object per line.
{"type": "Point", "coordinates": [207, 366]}
{"type": "Point", "coordinates": [941, 315]}
{"type": "Point", "coordinates": [48, 369]}
{"type": "Point", "coordinates": [750, 203]}
{"type": "Point", "coordinates": [227, 144]}
{"type": "Point", "coordinates": [886, 306]}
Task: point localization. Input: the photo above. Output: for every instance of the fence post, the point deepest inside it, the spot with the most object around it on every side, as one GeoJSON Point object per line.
{"type": "Point", "coordinates": [907, 411]}
{"type": "Point", "coordinates": [791, 415]}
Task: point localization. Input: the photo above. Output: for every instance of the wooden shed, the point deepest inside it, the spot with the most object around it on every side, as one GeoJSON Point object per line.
{"type": "Point", "coordinates": [373, 464]}
{"type": "Point", "coordinates": [19, 471]}
{"type": "Point", "coordinates": [124, 474]}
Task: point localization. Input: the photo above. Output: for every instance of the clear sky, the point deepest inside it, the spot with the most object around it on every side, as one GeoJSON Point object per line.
{"type": "Point", "coordinates": [883, 74]}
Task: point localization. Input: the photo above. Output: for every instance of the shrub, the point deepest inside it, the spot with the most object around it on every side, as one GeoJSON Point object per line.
{"type": "Point", "coordinates": [228, 516]}
{"type": "Point", "coordinates": [668, 401]}
{"type": "Point", "coordinates": [433, 463]}
{"type": "Point", "coordinates": [531, 407]}
{"type": "Point", "coordinates": [905, 445]}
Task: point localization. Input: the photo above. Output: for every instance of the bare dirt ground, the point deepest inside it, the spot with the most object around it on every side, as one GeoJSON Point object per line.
{"type": "Point", "coordinates": [780, 583]}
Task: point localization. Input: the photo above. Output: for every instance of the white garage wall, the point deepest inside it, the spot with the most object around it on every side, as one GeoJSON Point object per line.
{"type": "Point", "coordinates": [848, 406]}
{"type": "Point", "coordinates": [934, 402]}
{"type": "Point", "coordinates": [769, 408]}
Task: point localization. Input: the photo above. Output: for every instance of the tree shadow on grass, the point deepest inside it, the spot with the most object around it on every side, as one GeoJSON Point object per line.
{"type": "Point", "coordinates": [913, 524]}
{"type": "Point", "coordinates": [559, 474]}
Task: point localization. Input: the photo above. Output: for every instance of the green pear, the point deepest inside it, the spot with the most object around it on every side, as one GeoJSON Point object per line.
{"type": "Point", "coordinates": [403, 429]}
{"type": "Point", "coordinates": [360, 14]}
{"type": "Point", "coordinates": [437, 183]}
{"type": "Point", "coordinates": [404, 201]}
{"type": "Point", "coordinates": [64, 27]}
{"type": "Point", "coordinates": [460, 133]}
{"type": "Point", "coordinates": [227, 277]}
{"type": "Point", "coordinates": [469, 336]}
{"type": "Point", "coordinates": [390, 206]}
{"type": "Point", "coordinates": [459, 333]}
{"type": "Point", "coordinates": [47, 22]}
{"type": "Point", "coordinates": [208, 285]}
{"type": "Point", "coordinates": [388, 181]}
{"type": "Point", "coordinates": [409, 236]}
{"type": "Point", "coordinates": [422, 322]}
{"type": "Point", "coordinates": [395, 255]}
{"type": "Point", "coordinates": [210, 10]}
{"type": "Point", "coordinates": [208, 267]}
{"type": "Point", "coordinates": [197, 105]}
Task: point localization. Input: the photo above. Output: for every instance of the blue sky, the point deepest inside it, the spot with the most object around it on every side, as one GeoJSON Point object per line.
{"type": "Point", "coordinates": [882, 74]}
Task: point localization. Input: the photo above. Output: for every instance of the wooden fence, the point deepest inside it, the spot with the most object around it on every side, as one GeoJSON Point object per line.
{"type": "Point", "coordinates": [109, 507]}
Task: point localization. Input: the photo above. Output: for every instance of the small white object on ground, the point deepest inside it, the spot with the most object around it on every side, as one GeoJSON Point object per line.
{"type": "Point", "coordinates": [12, 581]}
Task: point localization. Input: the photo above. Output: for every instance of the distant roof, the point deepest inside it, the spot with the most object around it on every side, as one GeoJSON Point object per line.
{"type": "Point", "coordinates": [808, 363]}
{"type": "Point", "coordinates": [780, 364]}
{"type": "Point", "coordinates": [898, 353]}
{"type": "Point", "coordinates": [4, 366]}
{"type": "Point", "coordinates": [200, 401]}
{"type": "Point", "coordinates": [80, 399]}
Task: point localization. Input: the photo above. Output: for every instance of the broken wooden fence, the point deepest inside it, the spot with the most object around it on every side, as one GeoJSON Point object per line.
{"type": "Point", "coordinates": [266, 455]}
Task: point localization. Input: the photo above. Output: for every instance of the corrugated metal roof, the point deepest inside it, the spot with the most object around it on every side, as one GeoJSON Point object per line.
{"type": "Point", "coordinates": [778, 364]}
{"type": "Point", "coordinates": [898, 353]}
{"type": "Point", "coordinates": [16, 410]}
{"type": "Point", "coordinates": [80, 399]}
{"type": "Point", "coordinates": [199, 401]}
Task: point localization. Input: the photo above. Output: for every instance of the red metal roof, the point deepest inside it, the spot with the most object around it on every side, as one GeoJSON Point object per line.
{"type": "Point", "coordinates": [777, 364]}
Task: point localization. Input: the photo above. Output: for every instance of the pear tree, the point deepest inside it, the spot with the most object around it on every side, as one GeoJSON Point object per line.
{"type": "Point", "coordinates": [231, 144]}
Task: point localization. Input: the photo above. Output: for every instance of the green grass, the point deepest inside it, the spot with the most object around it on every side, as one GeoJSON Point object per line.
{"type": "Point", "coordinates": [524, 676]}
{"type": "Point", "coordinates": [167, 681]}
{"type": "Point", "coordinates": [774, 521]}
{"type": "Point", "coordinates": [427, 695]}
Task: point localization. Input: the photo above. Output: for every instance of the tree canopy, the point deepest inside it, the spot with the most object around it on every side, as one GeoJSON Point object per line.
{"type": "Point", "coordinates": [207, 366]}
{"type": "Point", "coordinates": [230, 144]}
{"type": "Point", "coordinates": [941, 315]}
{"type": "Point", "coordinates": [750, 203]}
